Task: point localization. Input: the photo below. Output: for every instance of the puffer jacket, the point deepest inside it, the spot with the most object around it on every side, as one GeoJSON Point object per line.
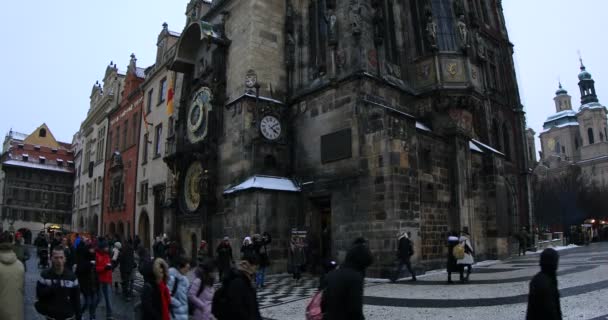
{"type": "Point", "coordinates": [178, 285]}
{"type": "Point", "coordinates": [11, 278]}
{"type": "Point", "coordinates": [202, 302]}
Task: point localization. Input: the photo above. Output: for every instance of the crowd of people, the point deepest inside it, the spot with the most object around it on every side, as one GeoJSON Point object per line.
{"type": "Point", "coordinates": [83, 272]}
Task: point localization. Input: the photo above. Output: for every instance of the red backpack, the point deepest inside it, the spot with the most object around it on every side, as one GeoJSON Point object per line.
{"type": "Point", "coordinates": [313, 310]}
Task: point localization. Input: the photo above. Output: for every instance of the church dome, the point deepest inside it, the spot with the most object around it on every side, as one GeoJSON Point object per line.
{"type": "Point", "coordinates": [561, 91]}
{"type": "Point", "coordinates": [584, 75]}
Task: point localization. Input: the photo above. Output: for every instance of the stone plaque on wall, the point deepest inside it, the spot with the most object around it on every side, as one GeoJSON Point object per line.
{"type": "Point", "coordinates": [424, 73]}
{"type": "Point", "coordinates": [453, 70]}
{"type": "Point", "coordinates": [336, 146]}
{"type": "Point", "coordinates": [476, 77]}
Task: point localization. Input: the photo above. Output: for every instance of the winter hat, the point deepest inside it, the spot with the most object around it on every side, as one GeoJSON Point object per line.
{"type": "Point", "coordinates": [118, 245]}
{"type": "Point", "coordinates": [247, 240]}
{"type": "Point", "coordinates": [226, 238]}
{"type": "Point", "coordinates": [549, 260]}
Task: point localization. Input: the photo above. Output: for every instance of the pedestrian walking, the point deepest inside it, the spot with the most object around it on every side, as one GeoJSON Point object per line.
{"type": "Point", "coordinates": [87, 278]}
{"type": "Point", "coordinates": [236, 299]}
{"type": "Point", "coordinates": [103, 266]}
{"type": "Point", "coordinates": [467, 261]}
{"type": "Point", "coordinates": [178, 283]}
{"type": "Point", "coordinates": [296, 258]}
{"type": "Point", "coordinates": [225, 259]}
{"type": "Point", "coordinates": [343, 295]}
{"type": "Point", "coordinates": [23, 254]}
{"type": "Point", "coordinates": [126, 262]}
{"type": "Point", "coordinates": [452, 265]}
{"type": "Point", "coordinates": [405, 250]}
{"type": "Point", "coordinates": [248, 250]}
{"type": "Point", "coordinates": [57, 290]}
{"type": "Point", "coordinates": [543, 300]}
{"type": "Point", "coordinates": [158, 248]}
{"type": "Point", "coordinates": [523, 241]}
{"type": "Point", "coordinates": [155, 296]}
{"type": "Point", "coordinates": [116, 249]}
{"type": "Point", "coordinates": [261, 243]}
{"type": "Point", "coordinates": [201, 292]}
{"type": "Point", "coordinates": [12, 280]}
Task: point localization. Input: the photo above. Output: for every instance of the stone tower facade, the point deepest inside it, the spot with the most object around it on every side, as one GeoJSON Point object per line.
{"type": "Point", "coordinates": [349, 118]}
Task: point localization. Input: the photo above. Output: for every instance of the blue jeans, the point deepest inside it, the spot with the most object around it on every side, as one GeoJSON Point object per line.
{"type": "Point", "coordinates": [106, 290]}
{"type": "Point", "coordinates": [90, 302]}
{"type": "Point", "coordinates": [259, 276]}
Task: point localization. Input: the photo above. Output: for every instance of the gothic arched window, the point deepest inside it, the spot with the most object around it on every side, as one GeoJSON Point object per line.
{"type": "Point", "coordinates": [590, 135]}
{"type": "Point", "coordinates": [446, 36]}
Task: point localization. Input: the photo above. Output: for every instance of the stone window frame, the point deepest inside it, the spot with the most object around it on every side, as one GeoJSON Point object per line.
{"type": "Point", "coordinates": [162, 92]}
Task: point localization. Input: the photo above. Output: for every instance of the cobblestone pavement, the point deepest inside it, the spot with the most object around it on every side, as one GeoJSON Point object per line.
{"type": "Point", "coordinates": [497, 291]}
{"type": "Point", "coordinates": [120, 309]}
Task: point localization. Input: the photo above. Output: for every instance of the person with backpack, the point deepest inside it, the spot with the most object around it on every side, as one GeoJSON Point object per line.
{"type": "Point", "coordinates": [155, 295]}
{"type": "Point", "coordinates": [342, 298]}
{"type": "Point", "coordinates": [405, 251]}
{"type": "Point", "coordinates": [236, 299]}
{"type": "Point", "coordinates": [178, 283]}
{"type": "Point", "coordinates": [467, 260]}
{"type": "Point", "coordinates": [201, 293]}
{"type": "Point", "coordinates": [452, 265]}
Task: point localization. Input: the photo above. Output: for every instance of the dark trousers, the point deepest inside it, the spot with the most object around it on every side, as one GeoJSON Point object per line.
{"type": "Point", "coordinates": [127, 283]}
{"type": "Point", "coordinates": [404, 263]}
{"type": "Point", "coordinates": [462, 267]}
{"type": "Point", "coordinates": [522, 248]}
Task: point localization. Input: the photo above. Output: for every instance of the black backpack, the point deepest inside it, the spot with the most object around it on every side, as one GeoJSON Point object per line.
{"type": "Point", "coordinates": [220, 306]}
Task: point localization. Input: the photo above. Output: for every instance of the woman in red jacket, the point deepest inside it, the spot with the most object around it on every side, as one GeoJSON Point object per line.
{"type": "Point", "coordinates": [103, 266]}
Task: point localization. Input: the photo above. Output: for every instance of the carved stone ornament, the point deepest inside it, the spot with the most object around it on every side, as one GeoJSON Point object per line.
{"type": "Point", "coordinates": [462, 32]}
{"type": "Point", "coordinates": [431, 31]}
{"type": "Point", "coordinates": [332, 24]}
{"type": "Point", "coordinates": [481, 46]}
{"type": "Point", "coordinates": [251, 79]}
{"type": "Point", "coordinates": [355, 17]}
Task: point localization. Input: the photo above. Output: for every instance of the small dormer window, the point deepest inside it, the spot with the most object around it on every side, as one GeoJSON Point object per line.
{"type": "Point", "coordinates": [60, 162]}
{"type": "Point", "coordinates": [37, 148]}
{"type": "Point", "coordinates": [54, 150]}
{"type": "Point", "coordinates": [42, 159]}
{"type": "Point", "coordinates": [25, 157]}
{"type": "Point", "coordinates": [71, 164]}
{"type": "Point", "coordinates": [20, 146]}
{"type": "Point", "coordinates": [42, 133]}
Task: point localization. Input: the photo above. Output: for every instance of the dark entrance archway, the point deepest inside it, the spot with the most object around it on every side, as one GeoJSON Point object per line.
{"type": "Point", "coordinates": [121, 231]}
{"type": "Point", "coordinates": [144, 229]}
{"type": "Point", "coordinates": [112, 228]}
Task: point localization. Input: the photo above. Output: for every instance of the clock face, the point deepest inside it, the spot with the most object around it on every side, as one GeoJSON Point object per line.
{"type": "Point", "coordinates": [270, 127]}
{"type": "Point", "coordinates": [198, 115]}
{"type": "Point", "coordinates": [192, 182]}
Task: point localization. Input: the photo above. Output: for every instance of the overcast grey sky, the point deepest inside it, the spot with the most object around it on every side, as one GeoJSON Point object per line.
{"type": "Point", "coordinates": [54, 51]}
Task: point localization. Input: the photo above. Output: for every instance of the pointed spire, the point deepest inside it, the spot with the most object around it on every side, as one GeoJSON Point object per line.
{"type": "Point", "coordinates": [165, 26]}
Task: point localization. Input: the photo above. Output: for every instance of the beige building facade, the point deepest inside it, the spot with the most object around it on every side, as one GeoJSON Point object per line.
{"type": "Point", "coordinates": [90, 152]}
{"type": "Point", "coordinates": [154, 206]}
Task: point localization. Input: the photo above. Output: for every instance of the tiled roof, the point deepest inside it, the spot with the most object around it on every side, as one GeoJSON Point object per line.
{"type": "Point", "coordinates": [15, 153]}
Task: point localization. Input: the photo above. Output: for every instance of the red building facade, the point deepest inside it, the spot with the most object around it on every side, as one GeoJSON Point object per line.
{"type": "Point", "coordinates": [121, 164]}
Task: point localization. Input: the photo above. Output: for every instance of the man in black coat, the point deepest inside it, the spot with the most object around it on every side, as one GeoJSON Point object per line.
{"type": "Point", "coordinates": [343, 295]}
{"type": "Point", "coordinates": [543, 300]}
{"type": "Point", "coordinates": [127, 264]}
{"type": "Point", "coordinates": [57, 290]}
{"type": "Point", "coordinates": [238, 301]}
{"type": "Point", "coordinates": [405, 251]}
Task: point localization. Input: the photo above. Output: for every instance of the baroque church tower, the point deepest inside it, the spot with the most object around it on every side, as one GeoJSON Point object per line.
{"type": "Point", "coordinates": [335, 119]}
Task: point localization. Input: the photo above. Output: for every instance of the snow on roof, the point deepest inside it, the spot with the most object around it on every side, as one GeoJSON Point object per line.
{"type": "Point", "coordinates": [140, 72]}
{"type": "Point", "coordinates": [175, 34]}
{"type": "Point", "coordinates": [593, 159]}
{"type": "Point", "coordinates": [266, 183]}
{"type": "Point", "coordinates": [253, 96]}
{"type": "Point", "coordinates": [474, 147]}
{"type": "Point", "coordinates": [561, 114]}
{"type": "Point", "coordinates": [592, 105]}
{"type": "Point", "coordinates": [33, 165]}
{"type": "Point", "coordinates": [567, 124]}
{"type": "Point", "coordinates": [422, 126]}
{"type": "Point", "coordinates": [487, 147]}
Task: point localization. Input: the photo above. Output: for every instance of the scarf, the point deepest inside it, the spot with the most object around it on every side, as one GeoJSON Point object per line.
{"type": "Point", "coordinates": [165, 300]}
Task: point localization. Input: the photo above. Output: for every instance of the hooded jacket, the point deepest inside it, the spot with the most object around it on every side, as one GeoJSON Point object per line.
{"type": "Point", "coordinates": [343, 296]}
{"type": "Point", "coordinates": [543, 300]}
{"type": "Point", "coordinates": [179, 300]}
{"type": "Point", "coordinates": [85, 270]}
{"type": "Point", "coordinates": [152, 305]}
{"type": "Point", "coordinates": [11, 278]}
{"type": "Point", "coordinates": [405, 249]}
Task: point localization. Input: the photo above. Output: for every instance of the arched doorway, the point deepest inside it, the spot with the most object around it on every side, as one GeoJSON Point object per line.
{"type": "Point", "coordinates": [121, 231]}
{"type": "Point", "coordinates": [112, 229]}
{"type": "Point", "coordinates": [144, 229]}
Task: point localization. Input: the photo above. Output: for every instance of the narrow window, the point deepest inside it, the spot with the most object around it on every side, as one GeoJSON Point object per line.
{"type": "Point", "coordinates": [125, 136]}
{"type": "Point", "coordinates": [150, 97]}
{"type": "Point", "coordinates": [163, 91]}
{"type": "Point", "coordinates": [158, 140]}
{"type": "Point", "coordinates": [590, 136]}
{"type": "Point", "coordinates": [144, 155]}
{"type": "Point", "coordinates": [42, 133]}
{"type": "Point", "coordinates": [317, 30]}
